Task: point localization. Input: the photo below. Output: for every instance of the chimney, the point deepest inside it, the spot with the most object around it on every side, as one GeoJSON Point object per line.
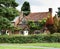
{"type": "Point", "coordinates": [50, 10]}
{"type": "Point", "coordinates": [50, 20]}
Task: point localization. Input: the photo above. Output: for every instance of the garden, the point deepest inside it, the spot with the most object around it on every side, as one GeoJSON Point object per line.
{"type": "Point", "coordinates": [32, 41]}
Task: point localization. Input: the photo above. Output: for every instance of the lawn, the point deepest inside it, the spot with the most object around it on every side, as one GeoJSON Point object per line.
{"type": "Point", "coordinates": [56, 45]}
{"type": "Point", "coordinates": [2, 47]}
{"type": "Point", "coordinates": [30, 46]}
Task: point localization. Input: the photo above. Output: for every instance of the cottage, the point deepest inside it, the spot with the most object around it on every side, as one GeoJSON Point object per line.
{"type": "Point", "coordinates": [21, 21]}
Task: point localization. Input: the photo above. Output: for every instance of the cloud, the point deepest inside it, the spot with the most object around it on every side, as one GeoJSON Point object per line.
{"type": "Point", "coordinates": [40, 5]}
{"type": "Point", "coordinates": [35, 2]}
{"type": "Point", "coordinates": [20, 1]}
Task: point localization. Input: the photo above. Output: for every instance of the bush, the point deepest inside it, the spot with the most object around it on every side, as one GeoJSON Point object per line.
{"type": "Point", "coordinates": [30, 39]}
{"type": "Point", "coordinates": [51, 28]}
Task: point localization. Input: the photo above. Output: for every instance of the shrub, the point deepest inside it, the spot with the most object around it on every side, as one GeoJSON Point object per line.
{"type": "Point", "coordinates": [51, 28]}
{"type": "Point", "coordinates": [30, 39]}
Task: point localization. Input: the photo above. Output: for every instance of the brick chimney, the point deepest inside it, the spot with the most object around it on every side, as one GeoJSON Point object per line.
{"type": "Point", "coordinates": [50, 10]}
{"type": "Point", "coordinates": [50, 19]}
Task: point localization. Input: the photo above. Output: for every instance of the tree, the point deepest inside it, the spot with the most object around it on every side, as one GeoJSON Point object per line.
{"type": "Point", "coordinates": [25, 8]}
{"type": "Point", "coordinates": [5, 24]}
{"type": "Point", "coordinates": [58, 27]}
{"type": "Point", "coordinates": [8, 10]}
{"type": "Point", "coordinates": [57, 24]}
{"type": "Point", "coordinates": [7, 13]}
{"type": "Point", "coordinates": [58, 13]}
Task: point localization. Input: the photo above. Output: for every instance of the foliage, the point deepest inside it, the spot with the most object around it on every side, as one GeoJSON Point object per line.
{"type": "Point", "coordinates": [56, 24]}
{"type": "Point", "coordinates": [51, 28]}
{"type": "Point", "coordinates": [7, 13]}
{"type": "Point", "coordinates": [58, 27]}
{"type": "Point", "coordinates": [37, 25]}
{"type": "Point", "coordinates": [58, 13]}
{"type": "Point", "coordinates": [10, 13]}
{"type": "Point", "coordinates": [54, 27]}
{"type": "Point", "coordinates": [25, 8]}
{"type": "Point", "coordinates": [7, 9]}
{"type": "Point", "coordinates": [8, 3]}
{"type": "Point", "coordinates": [30, 39]}
{"type": "Point", "coordinates": [4, 23]}
{"type": "Point", "coordinates": [50, 24]}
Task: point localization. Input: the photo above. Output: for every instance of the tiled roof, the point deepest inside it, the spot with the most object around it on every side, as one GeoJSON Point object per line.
{"type": "Point", "coordinates": [37, 16]}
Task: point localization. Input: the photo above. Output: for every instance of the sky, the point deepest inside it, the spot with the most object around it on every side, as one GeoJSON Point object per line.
{"type": "Point", "coordinates": [40, 5]}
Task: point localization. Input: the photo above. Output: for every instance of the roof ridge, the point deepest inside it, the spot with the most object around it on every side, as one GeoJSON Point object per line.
{"type": "Point", "coordinates": [39, 12]}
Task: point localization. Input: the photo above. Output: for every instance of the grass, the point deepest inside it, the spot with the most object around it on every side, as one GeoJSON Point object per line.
{"type": "Point", "coordinates": [56, 45]}
{"type": "Point", "coordinates": [2, 47]}
{"type": "Point", "coordinates": [20, 46]}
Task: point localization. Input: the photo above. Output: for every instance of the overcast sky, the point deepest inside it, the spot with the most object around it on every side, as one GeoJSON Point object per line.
{"type": "Point", "coordinates": [41, 5]}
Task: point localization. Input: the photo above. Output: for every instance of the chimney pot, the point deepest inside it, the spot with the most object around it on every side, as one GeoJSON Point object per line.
{"type": "Point", "coordinates": [50, 10]}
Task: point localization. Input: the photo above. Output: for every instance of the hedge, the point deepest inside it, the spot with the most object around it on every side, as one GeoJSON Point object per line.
{"type": "Point", "coordinates": [30, 39]}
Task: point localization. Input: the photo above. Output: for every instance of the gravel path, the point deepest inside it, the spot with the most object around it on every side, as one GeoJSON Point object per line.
{"type": "Point", "coordinates": [9, 45]}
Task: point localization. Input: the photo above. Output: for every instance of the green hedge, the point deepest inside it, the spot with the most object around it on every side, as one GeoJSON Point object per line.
{"type": "Point", "coordinates": [30, 39]}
